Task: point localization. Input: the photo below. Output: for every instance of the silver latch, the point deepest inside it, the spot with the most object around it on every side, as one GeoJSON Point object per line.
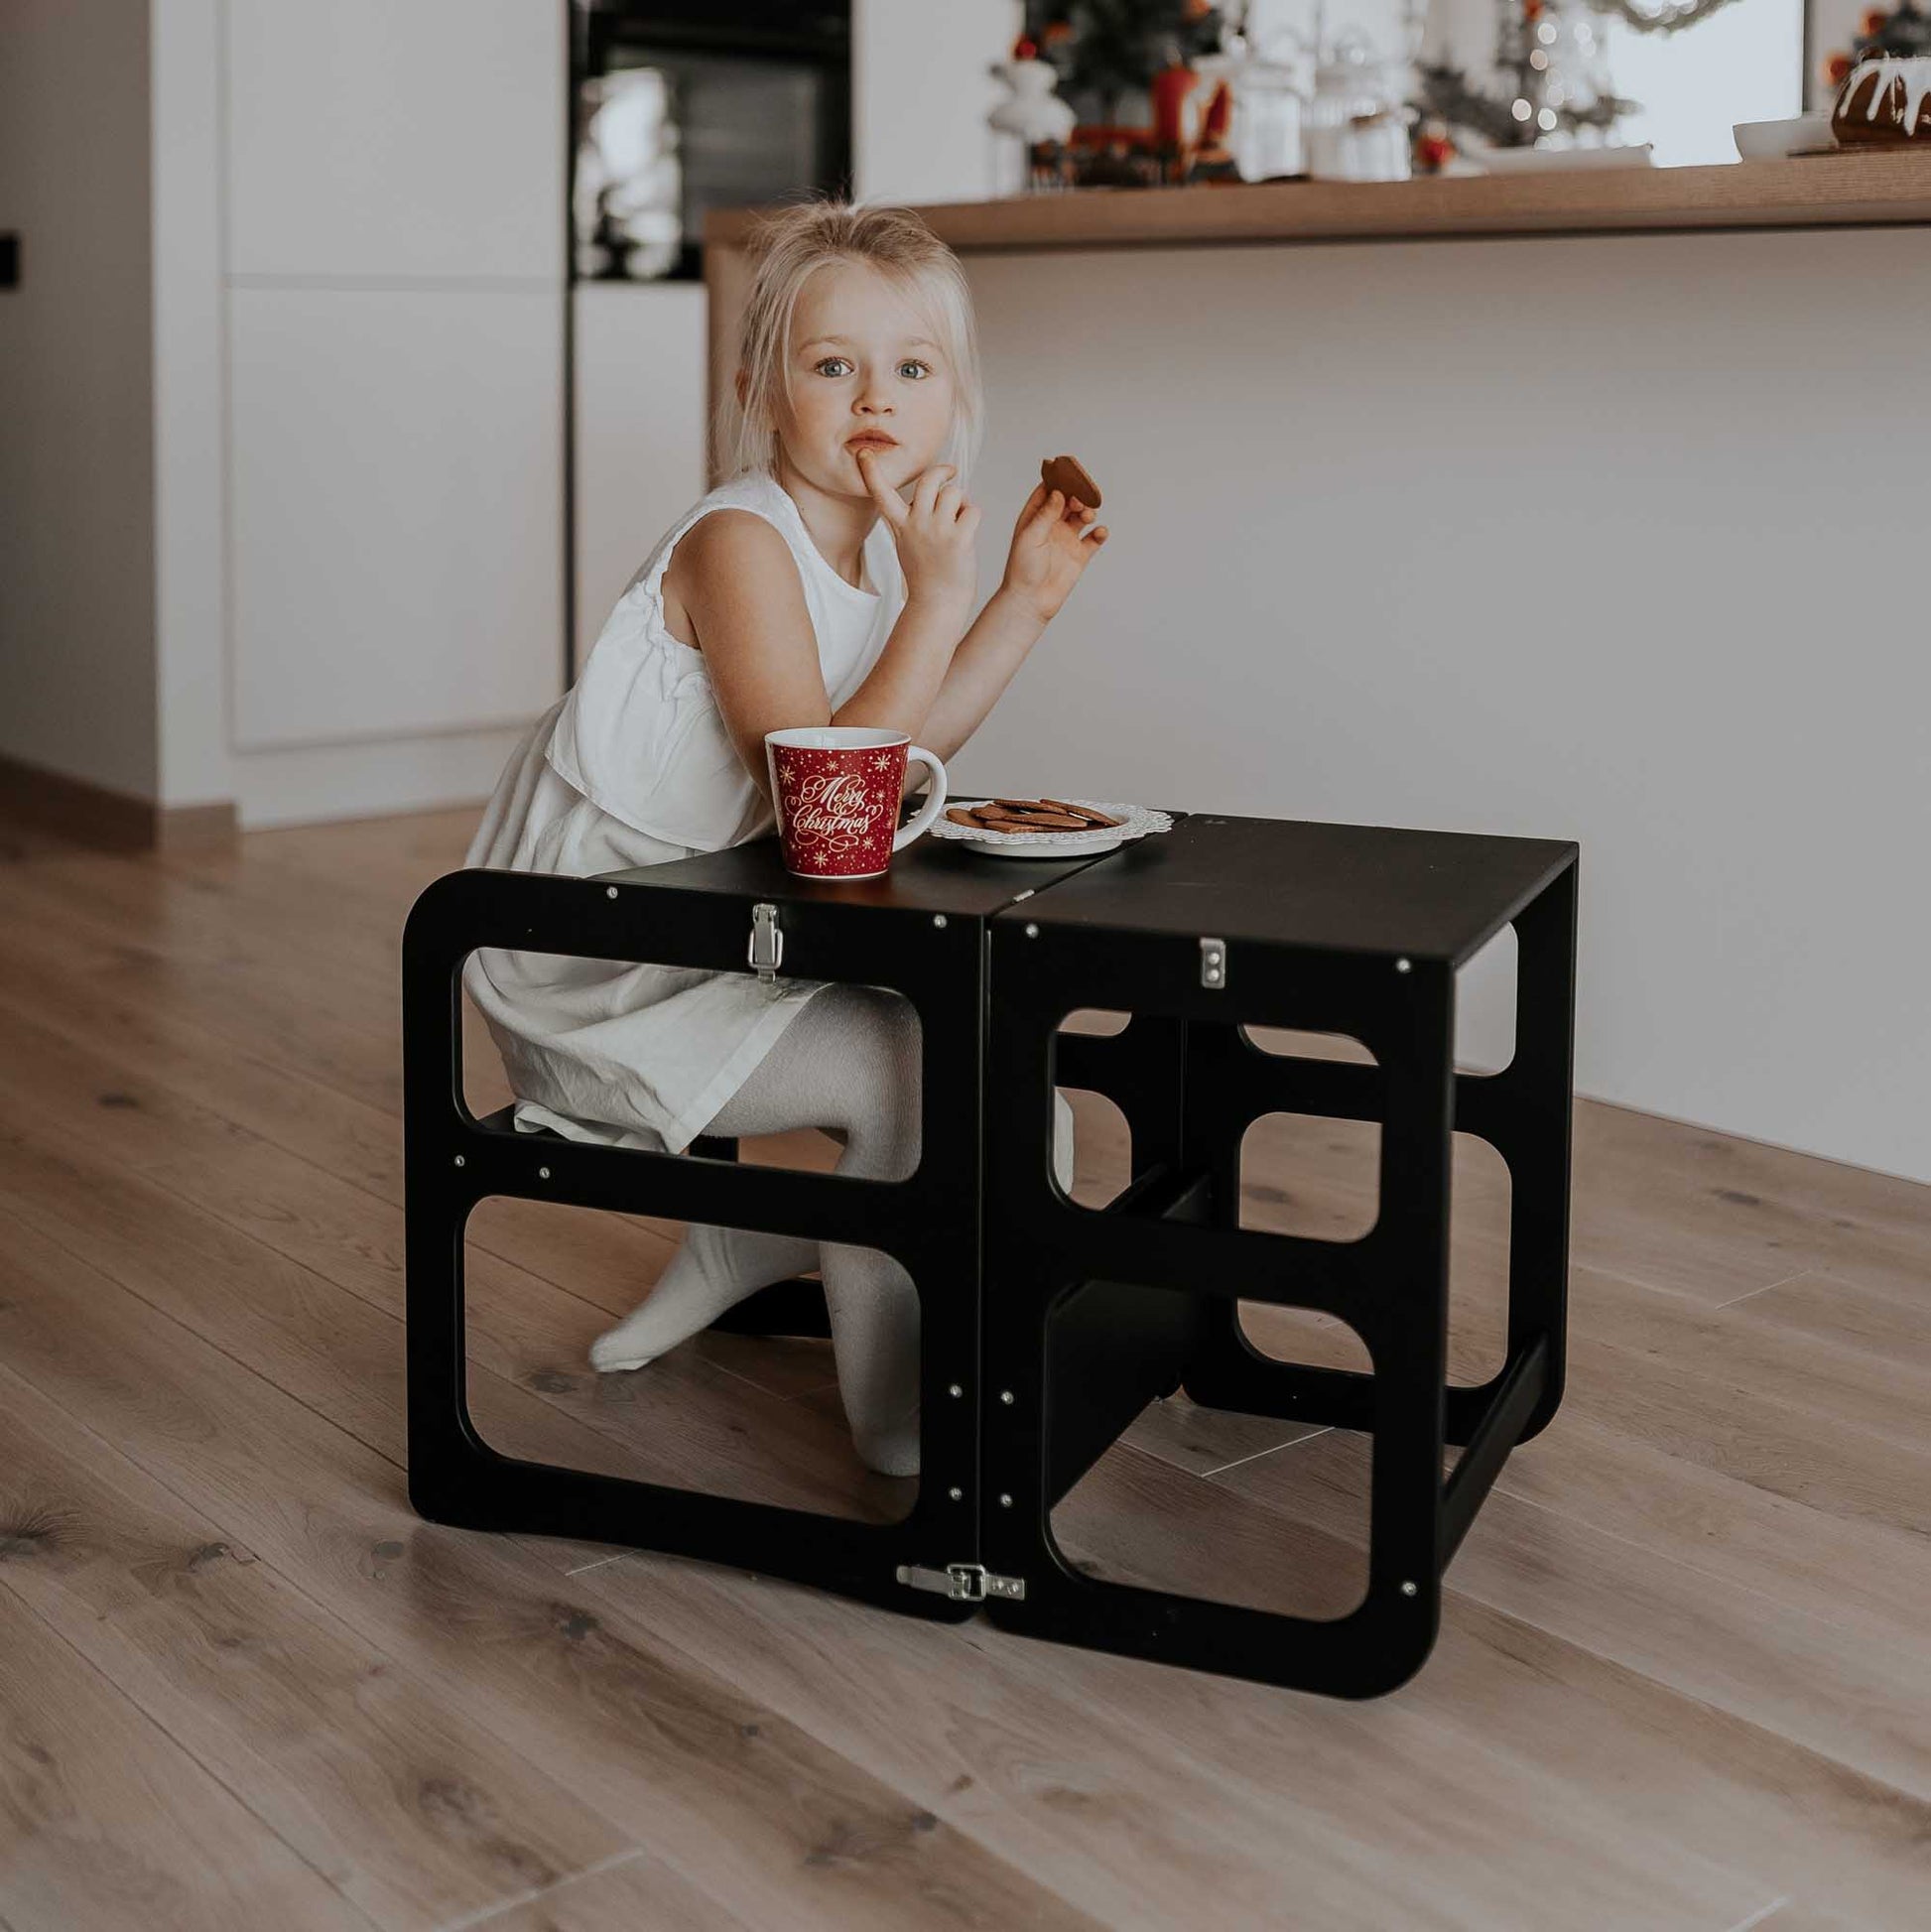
{"type": "Point", "coordinates": [964, 1583]}
{"type": "Point", "coordinates": [767, 941]}
{"type": "Point", "coordinates": [1214, 964]}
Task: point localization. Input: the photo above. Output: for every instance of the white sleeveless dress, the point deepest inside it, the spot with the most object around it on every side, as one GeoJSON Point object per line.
{"type": "Point", "coordinates": [634, 766]}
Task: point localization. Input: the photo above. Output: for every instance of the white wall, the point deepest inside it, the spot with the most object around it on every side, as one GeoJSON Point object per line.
{"type": "Point", "coordinates": [640, 404]}
{"type": "Point", "coordinates": [191, 602]}
{"type": "Point", "coordinates": [1597, 538]}
{"type": "Point", "coordinates": [76, 545]}
{"type": "Point", "coordinates": [920, 96]}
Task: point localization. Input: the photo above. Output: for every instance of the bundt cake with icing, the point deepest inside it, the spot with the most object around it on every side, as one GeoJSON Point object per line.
{"type": "Point", "coordinates": [1885, 98]}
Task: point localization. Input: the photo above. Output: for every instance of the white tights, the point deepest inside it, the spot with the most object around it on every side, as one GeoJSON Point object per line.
{"type": "Point", "coordinates": [848, 1064]}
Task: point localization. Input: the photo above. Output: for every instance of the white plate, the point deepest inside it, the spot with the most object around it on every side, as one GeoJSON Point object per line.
{"type": "Point", "coordinates": [1136, 821]}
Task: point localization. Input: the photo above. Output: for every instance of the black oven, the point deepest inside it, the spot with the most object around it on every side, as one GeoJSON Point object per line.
{"type": "Point", "coordinates": [695, 104]}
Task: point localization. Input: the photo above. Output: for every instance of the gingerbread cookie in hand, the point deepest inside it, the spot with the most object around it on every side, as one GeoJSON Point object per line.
{"type": "Point", "coordinates": [1064, 474]}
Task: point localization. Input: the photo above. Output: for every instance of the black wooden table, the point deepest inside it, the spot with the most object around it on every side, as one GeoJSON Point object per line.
{"type": "Point", "coordinates": [1047, 1327]}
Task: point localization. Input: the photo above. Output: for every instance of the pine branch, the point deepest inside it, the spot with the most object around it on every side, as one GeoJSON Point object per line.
{"type": "Point", "coordinates": [1447, 94]}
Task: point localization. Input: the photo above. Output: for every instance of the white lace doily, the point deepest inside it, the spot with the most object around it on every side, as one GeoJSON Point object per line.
{"type": "Point", "coordinates": [1136, 821]}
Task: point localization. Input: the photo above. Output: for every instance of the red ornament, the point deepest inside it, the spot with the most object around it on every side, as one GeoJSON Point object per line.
{"type": "Point", "coordinates": [1531, 11]}
{"type": "Point", "coordinates": [1837, 69]}
{"type": "Point", "coordinates": [1169, 91]}
{"type": "Point", "coordinates": [1874, 19]}
{"type": "Point", "coordinates": [1217, 117]}
{"type": "Point", "coordinates": [1024, 49]}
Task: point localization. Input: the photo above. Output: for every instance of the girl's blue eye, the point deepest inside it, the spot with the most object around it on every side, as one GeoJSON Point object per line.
{"type": "Point", "coordinates": [912, 364]}
{"type": "Point", "coordinates": [827, 361]}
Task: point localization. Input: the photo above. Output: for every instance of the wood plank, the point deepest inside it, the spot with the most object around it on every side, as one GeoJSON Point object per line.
{"type": "Point", "coordinates": [1860, 1577]}
{"type": "Point", "coordinates": [1127, 1520]}
{"type": "Point", "coordinates": [1866, 1705]}
{"type": "Point", "coordinates": [1892, 1325]}
{"type": "Point", "coordinates": [607, 1260]}
{"type": "Point", "coordinates": [774, 1825]}
{"type": "Point", "coordinates": [107, 1823]}
{"type": "Point", "coordinates": [336, 1315]}
{"type": "Point", "coordinates": [1201, 1441]}
{"type": "Point", "coordinates": [1782, 1436]}
{"type": "Point", "coordinates": [405, 1803]}
{"type": "Point", "coordinates": [126, 945]}
{"type": "Point", "coordinates": [633, 1891]}
{"type": "Point", "coordinates": [35, 800]}
{"type": "Point", "coordinates": [1886, 1396]}
{"type": "Point", "coordinates": [1714, 1217]}
{"type": "Point", "coordinates": [1245, 1796]}
{"type": "Point", "coordinates": [1752, 1794]}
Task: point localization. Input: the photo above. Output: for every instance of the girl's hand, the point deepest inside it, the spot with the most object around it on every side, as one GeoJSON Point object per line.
{"type": "Point", "coordinates": [1054, 541]}
{"type": "Point", "coordinates": [934, 532]}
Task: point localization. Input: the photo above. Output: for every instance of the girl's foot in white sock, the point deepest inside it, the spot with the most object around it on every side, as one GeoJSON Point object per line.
{"type": "Point", "coordinates": [890, 1452]}
{"type": "Point", "coordinates": [714, 1270]}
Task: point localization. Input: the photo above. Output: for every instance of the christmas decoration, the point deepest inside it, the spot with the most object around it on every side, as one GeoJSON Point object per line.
{"type": "Point", "coordinates": [1551, 78]}
{"type": "Point", "coordinates": [1434, 146]}
{"type": "Point", "coordinates": [1034, 113]}
{"type": "Point", "coordinates": [1116, 57]}
{"type": "Point", "coordinates": [1902, 31]}
{"type": "Point", "coordinates": [1107, 52]}
{"type": "Point", "coordinates": [1552, 73]}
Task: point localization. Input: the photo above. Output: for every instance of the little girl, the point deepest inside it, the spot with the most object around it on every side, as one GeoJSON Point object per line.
{"type": "Point", "coordinates": [828, 581]}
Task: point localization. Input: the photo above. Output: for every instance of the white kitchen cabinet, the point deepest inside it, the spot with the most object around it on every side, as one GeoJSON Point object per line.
{"type": "Point", "coordinates": [379, 140]}
{"type": "Point", "coordinates": [396, 489]}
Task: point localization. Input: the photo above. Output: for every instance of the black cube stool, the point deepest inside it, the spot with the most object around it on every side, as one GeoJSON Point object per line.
{"type": "Point", "coordinates": [921, 930]}
{"type": "Point", "coordinates": [1224, 924]}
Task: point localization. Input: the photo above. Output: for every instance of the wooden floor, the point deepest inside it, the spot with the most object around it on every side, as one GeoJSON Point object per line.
{"type": "Point", "coordinates": [1684, 1678]}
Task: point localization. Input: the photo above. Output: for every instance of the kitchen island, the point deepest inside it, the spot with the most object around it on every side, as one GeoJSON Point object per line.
{"type": "Point", "coordinates": [1561, 504]}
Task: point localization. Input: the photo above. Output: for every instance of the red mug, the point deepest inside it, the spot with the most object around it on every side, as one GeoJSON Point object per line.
{"type": "Point", "coordinates": [836, 789]}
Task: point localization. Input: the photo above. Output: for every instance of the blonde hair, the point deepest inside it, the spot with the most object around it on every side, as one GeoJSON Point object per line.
{"type": "Point", "coordinates": [789, 248]}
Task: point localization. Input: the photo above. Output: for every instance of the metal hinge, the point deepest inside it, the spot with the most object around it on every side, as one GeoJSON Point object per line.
{"type": "Point", "coordinates": [767, 941]}
{"type": "Point", "coordinates": [964, 1583]}
{"type": "Point", "coordinates": [1214, 964]}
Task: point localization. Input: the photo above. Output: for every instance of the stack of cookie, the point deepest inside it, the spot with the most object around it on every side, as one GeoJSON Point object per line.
{"type": "Point", "coordinates": [1031, 815]}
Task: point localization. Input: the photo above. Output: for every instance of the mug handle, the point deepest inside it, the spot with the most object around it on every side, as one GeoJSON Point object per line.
{"type": "Point", "coordinates": [935, 802]}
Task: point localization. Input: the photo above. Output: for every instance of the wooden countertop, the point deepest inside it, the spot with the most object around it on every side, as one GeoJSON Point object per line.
{"type": "Point", "coordinates": [1852, 190]}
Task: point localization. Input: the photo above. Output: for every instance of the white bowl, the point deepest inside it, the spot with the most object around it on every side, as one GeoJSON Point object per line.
{"type": "Point", "coordinates": [1772, 139]}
